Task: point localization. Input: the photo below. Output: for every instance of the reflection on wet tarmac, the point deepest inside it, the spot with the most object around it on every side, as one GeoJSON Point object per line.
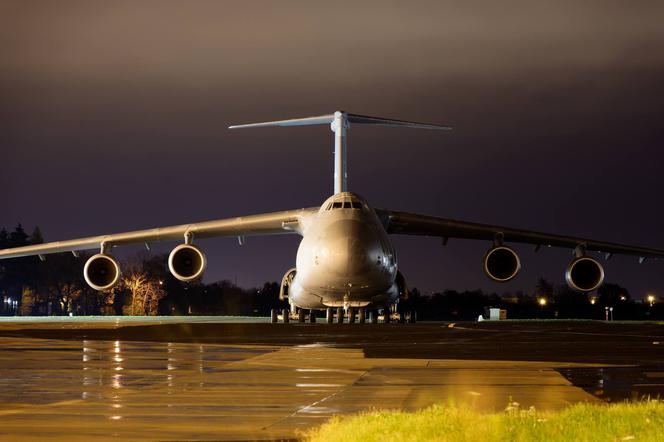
{"type": "Point", "coordinates": [615, 384]}
{"type": "Point", "coordinates": [78, 390]}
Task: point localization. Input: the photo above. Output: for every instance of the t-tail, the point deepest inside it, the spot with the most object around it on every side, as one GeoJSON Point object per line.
{"type": "Point", "coordinates": [339, 123]}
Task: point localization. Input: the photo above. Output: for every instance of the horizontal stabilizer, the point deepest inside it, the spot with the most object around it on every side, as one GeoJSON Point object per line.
{"type": "Point", "coordinates": [309, 121]}
{"type": "Point", "coordinates": [349, 118]}
{"type": "Point", "coordinates": [377, 121]}
{"type": "Point", "coordinates": [339, 123]}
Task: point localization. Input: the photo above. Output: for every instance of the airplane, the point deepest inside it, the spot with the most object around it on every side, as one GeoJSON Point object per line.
{"type": "Point", "coordinates": [345, 260]}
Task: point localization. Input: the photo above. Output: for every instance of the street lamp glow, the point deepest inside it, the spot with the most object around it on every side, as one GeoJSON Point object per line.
{"type": "Point", "coordinates": [542, 301]}
{"type": "Point", "coordinates": [651, 299]}
{"type": "Point", "coordinates": [593, 300]}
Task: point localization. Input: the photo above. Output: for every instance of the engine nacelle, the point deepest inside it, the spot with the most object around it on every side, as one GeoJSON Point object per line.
{"type": "Point", "coordinates": [584, 274]}
{"type": "Point", "coordinates": [187, 262]}
{"type": "Point", "coordinates": [501, 264]}
{"type": "Point", "coordinates": [101, 271]}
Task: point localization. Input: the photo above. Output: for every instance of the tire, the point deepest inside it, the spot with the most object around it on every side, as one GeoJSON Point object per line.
{"type": "Point", "coordinates": [361, 316]}
{"type": "Point", "coordinates": [329, 315]}
{"type": "Point", "coordinates": [286, 313]}
{"type": "Point", "coordinates": [351, 316]}
{"type": "Point", "coordinates": [413, 317]}
{"type": "Point", "coordinates": [386, 316]}
{"type": "Point", "coordinates": [300, 315]}
{"type": "Point", "coordinates": [373, 316]}
{"type": "Point", "coordinates": [273, 316]}
{"type": "Point", "coordinates": [312, 316]}
{"type": "Point", "coordinates": [340, 315]}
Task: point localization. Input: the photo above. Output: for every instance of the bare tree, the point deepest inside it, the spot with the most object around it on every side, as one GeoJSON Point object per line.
{"type": "Point", "coordinates": [145, 291]}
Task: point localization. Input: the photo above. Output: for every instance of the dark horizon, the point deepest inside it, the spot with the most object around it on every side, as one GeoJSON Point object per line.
{"type": "Point", "coordinates": [114, 118]}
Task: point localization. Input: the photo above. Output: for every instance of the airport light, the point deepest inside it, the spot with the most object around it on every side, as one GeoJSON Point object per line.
{"type": "Point", "coordinates": [651, 299]}
{"type": "Point", "coordinates": [623, 297]}
{"type": "Point", "coordinates": [542, 301]}
{"type": "Point", "coordinates": [593, 300]}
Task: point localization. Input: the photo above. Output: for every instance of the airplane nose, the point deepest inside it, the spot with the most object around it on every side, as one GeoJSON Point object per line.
{"type": "Point", "coordinates": [348, 249]}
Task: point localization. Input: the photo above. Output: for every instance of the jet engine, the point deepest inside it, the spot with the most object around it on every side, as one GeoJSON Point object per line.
{"type": "Point", "coordinates": [501, 263]}
{"type": "Point", "coordinates": [101, 271]}
{"type": "Point", "coordinates": [187, 262]}
{"type": "Point", "coordinates": [584, 274]}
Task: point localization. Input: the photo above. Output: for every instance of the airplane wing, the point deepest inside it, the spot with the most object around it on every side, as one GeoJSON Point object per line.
{"type": "Point", "coordinates": [415, 224]}
{"type": "Point", "coordinates": [290, 221]}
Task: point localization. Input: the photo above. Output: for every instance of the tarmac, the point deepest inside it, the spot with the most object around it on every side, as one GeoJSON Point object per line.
{"type": "Point", "coordinates": [225, 379]}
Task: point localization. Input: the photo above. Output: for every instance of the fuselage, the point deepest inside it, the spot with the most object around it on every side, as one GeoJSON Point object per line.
{"type": "Point", "coordinates": [345, 258]}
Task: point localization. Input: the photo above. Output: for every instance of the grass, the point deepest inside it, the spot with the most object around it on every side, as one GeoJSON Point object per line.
{"type": "Point", "coordinates": [639, 421]}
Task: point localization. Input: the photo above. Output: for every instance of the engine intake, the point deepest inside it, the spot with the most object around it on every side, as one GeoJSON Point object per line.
{"type": "Point", "coordinates": [101, 271]}
{"type": "Point", "coordinates": [501, 264]}
{"type": "Point", "coordinates": [584, 274]}
{"type": "Point", "coordinates": [187, 262]}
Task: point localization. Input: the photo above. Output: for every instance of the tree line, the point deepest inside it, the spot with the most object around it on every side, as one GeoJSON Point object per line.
{"type": "Point", "coordinates": [57, 287]}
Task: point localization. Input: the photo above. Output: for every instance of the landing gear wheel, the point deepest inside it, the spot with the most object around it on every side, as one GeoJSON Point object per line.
{"type": "Point", "coordinates": [386, 316]}
{"type": "Point", "coordinates": [340, 315]}
{"type": "Point", "coordinates": [300, 315]}
{"type": "Point", "coordinates": [402, 317]}
{"type": "Point", "coordinates": [273, 316]}
{"type": "Point", "coordinates": [413, 317]}
{"type": "Point", "coordinates": [351, 316]}
{"type": "Point", "coordinates": [361, 316]}
{"type": "Point", "coordinates": [286, 317]}
{"type": "Point", "coordinates": [312, 316]}
{"type": "Point", "coordinates": [329, 315]}
{"type": "Point", "coordinates": [373, 316]}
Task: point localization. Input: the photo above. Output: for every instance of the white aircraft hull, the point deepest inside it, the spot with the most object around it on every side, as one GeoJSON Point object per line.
{"type": "Point", "coordinates": [345, 258]}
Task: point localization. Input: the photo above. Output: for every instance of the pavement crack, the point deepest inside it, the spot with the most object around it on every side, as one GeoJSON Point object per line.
{"type": "Point", "coordinates": [320, 401]}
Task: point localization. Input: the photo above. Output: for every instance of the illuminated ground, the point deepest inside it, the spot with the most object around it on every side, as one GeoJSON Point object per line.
{"type": "Point", "coordinates": [197, 380]}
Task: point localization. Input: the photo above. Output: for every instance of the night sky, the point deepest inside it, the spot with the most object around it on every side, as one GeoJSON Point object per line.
{"type": "Point", "coordinates": [113, 117]}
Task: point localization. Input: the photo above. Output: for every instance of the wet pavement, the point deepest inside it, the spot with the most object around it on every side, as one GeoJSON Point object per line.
{"type": "Point", "coordinates": [206, 380]}
{"type": "Point", "coordinates": [616, 384]}
{"type": "Point", "coordinates": [180, 391]}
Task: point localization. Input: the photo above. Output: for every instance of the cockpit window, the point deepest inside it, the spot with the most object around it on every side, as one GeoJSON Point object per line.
{"type": "Point", "coordinates": [345, 205]}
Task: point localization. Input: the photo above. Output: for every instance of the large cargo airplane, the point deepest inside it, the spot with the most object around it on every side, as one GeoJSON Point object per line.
{"type": "Point", "coordinates": [345, 261]}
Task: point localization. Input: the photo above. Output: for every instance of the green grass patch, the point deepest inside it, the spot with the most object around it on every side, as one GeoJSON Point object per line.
{"type": "Point", "coordinates": [639, 421]}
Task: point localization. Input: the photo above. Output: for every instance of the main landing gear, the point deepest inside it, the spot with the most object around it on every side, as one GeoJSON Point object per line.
{"type": "Point", "coordinates": [300, 314]}
{"type": "Point", "coordinates": [338, 315]}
